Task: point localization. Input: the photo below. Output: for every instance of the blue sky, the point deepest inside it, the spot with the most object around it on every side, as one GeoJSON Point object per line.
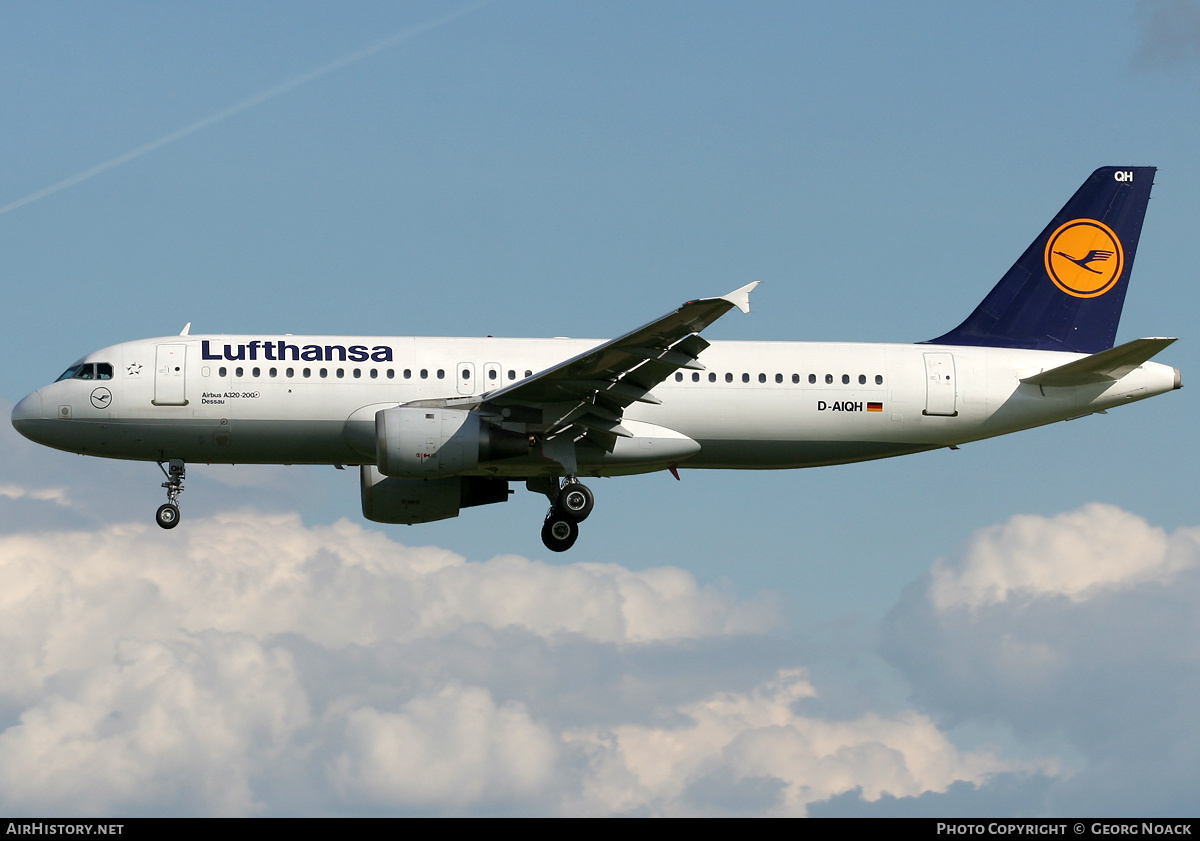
{"type": "Point", "coordinates": [535, 168]}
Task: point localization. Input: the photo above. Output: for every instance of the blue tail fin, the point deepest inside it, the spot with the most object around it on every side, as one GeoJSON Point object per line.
{"type": "Point", "coordinates": [1067, 290]}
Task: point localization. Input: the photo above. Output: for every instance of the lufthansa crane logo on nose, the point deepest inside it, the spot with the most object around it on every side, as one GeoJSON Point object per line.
{"type": "Point", "coordinates": [101, 398]}
{"type": "Point", "coordinates": [1084, 258]}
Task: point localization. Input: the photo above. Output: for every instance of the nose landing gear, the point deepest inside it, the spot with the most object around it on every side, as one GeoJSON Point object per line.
{"type": "Point", "coordinates": [167, 515]}
{"type": "Point", "coordinates": [571, 507]}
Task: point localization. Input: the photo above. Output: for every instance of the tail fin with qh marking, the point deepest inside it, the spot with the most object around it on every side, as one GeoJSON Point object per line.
{"type": "Point", "coordinates": [1067, 290]}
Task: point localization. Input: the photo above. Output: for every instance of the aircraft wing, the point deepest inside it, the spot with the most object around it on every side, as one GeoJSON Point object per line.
{"type": "Point", "coordinates": [590, 391]}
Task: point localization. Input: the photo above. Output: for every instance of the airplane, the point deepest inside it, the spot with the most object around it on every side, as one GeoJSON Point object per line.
{"type": "Point", "coordinates": [436, 425]}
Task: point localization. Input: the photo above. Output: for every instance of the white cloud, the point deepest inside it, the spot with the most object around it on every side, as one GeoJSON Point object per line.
{"type": "Point", "coordinates": [758, 736]}
{"type": "Point", "coordinates": [145, 671]}
{"type": "Point", "coordinates": [250, 664]}
{"type": "Point", "coordinates": [175, 727]}
{"type": "Point", "coordinates": [55, 495]}
{"type": "Point", "coordinates": [1077, 555]}
{"type": "Point", "coordinates": [455, 747]}
{"type": "Point", "coordinates": [1076, 630]}
{"type": "Point", "coordinates": [337, 585]}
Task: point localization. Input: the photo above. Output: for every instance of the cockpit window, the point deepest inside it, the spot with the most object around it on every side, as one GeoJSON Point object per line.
{"type": "Point", "coordinates": [88, 371]}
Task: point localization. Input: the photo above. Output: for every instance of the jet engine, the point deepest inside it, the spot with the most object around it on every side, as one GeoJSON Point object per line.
{"type": "Point", "coordinates": [408, 501]}
{"type": "Point", "coordinates": [418, 443]}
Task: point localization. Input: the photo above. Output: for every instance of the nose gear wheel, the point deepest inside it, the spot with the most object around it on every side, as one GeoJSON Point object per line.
{"type": "Point", "coordinates": [167, 515]}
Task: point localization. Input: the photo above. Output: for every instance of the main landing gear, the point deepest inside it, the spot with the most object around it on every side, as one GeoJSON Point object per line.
{"type": "Point", "coordinates": [569, 508]}
{"type": "Point", "coordinates": [167, 515]}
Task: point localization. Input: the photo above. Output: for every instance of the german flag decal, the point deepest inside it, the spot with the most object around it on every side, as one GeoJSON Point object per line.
{"type": "Point", "coordinates": [874, 407]}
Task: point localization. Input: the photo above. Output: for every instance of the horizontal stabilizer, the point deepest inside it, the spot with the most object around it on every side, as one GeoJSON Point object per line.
{"type": "Point", "coordinates": [1105, 366]}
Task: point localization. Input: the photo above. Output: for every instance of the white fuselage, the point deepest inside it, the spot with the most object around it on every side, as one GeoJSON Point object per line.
{"type": "Point", "coordinates": [757, 405]}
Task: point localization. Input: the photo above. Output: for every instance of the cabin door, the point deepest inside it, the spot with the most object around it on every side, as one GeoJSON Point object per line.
{"type": "Point", "coordinates": [941, 391]}
{"type": "Point", "coordinates": [169, 370]}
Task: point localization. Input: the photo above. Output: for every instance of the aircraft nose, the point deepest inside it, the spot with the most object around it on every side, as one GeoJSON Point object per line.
{"type": "Point", "coordinates": [27, 413]}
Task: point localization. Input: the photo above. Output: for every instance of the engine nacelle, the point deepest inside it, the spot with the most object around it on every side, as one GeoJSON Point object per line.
{"type": "Point", "coordinates": [386, 499]}
{"type": "Point", "coordinates": [419, 443]}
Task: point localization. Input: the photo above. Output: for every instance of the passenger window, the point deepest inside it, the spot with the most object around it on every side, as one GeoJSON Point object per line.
{"type": "Point", "coordinates": [257, 372]}
{"type": "Point", "coordinates": [466, 374]}
{"type": "Point", "coordinates": [324, 373]}
{"type": "Point", "coordinates": [222, 371]}
{"type": "Point", "coordinates": [358, 373]}
{"type": "Point", "coordinates": [392, 373]}
{"type": "Point", "coordinates": [441, 373]}
{"type": "Point", "coordinates": [845, 379]}
{"type": "Point", "coordinates": [492, 374]}
{"type": "Point", "coordinates": [829, 379]}
{"type": "Point", "coordinates": [862, 379]}
{"type": "Point", "coordinates": [512, 375]}
{"type": "Point", "coordinates": [812, 378]}
{"type": "Point", "coordinates": [795, 378]}
{"type": "Point", "coordinates": [695, 378]}
{"type": "Point", "coordinates": [678, 377]}
{"type": "Point", "coordinates": [762, 378]}
{"type": "Point", "coordinates": [424, 373]}
{"type": "Point", "coordinates": [274, 372]}
{"type": "Point", "coordinates": [745, 378]}
{"type": "Point", "coordinates": [239, 372]}
{"type": "Point", "coordinates": [878, 379]}
{"type": "Point", "coordinates": [374, 373]}
{"type": "Point", "coordinates": [528, 373]}
{"type": "Point", "coordinates": [308, 372]}
{"type": "Point", "coordinates": [729, 378]}
{"type": "Point", "coordinates": [291, 372]}
{"type": "Point", "coordinates": [779, 378]}
{"type": "Point", "coordinates": [408, 373]}
{"type": "Point", "coordinates": [341, 372]}
{"type": "Point", "coordinates": [712, 378]}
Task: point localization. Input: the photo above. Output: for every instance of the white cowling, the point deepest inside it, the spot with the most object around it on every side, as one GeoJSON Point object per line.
{"type": "Point", "coordinates": [419, 443]}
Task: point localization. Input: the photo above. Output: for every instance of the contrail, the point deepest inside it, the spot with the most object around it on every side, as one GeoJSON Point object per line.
{"type": "Point", "coordinates": [246, 104]}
